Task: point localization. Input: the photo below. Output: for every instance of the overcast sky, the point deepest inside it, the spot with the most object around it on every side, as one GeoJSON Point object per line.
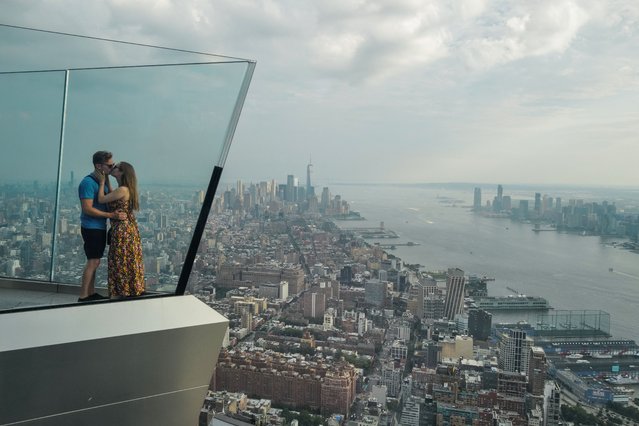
{"type": "Point", "coordinates": [405, 91]}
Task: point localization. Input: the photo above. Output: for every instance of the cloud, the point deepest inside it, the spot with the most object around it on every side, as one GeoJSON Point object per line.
{"type": "Point", "coordinates": [355, 81]}
{"type": "Point", "coordinates": [532, 29]}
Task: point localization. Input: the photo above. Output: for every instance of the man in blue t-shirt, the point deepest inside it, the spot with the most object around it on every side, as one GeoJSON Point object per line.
{"type": "Point", "coordinates": [93, 222]}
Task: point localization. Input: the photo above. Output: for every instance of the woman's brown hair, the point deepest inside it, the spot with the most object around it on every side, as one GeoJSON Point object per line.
{"type": "Point", "coordinates": [130, 181]}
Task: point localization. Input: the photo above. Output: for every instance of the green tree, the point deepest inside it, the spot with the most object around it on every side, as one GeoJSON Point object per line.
{"type": "Point", "coordinates": [579, 416]}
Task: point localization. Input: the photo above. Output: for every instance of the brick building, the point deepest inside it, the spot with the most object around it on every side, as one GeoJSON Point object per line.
{"type": "Point", "coordinates": [231, 275]}
{"type": "Point", "coordinates": [291, 381]}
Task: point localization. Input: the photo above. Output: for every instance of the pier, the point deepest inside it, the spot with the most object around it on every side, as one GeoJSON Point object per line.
{"type": "Point", "coordinates": [393, 246]}
{"type": "Point", "coordinates": [374, 232]}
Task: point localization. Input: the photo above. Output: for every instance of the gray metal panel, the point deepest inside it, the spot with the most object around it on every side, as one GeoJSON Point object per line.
{"type": "Point", "coordinates": [155, 377]}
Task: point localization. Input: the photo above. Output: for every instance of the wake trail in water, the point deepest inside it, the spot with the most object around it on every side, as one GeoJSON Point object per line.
{"type": "Point", "coordinates": [627, 275]}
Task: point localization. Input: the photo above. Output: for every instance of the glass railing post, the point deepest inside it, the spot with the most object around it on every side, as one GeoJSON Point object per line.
{"type": "Point", "coordinates": [56, 206]}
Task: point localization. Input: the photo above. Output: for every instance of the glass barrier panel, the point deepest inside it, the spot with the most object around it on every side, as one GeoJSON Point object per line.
{"type": "Point", "coordinates": [48, 50]}
{"type": "Point", "coordinates": [30, 122]}
{"type": "Point", "coordinates": [170, 123]}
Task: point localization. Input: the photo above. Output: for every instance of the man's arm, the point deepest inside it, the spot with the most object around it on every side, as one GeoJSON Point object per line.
{"type": "Point", "coordinates": [87, 208]}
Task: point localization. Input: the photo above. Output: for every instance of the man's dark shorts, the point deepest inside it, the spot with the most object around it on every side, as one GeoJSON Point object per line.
{"type": "Point", "coordinates": [94, 242]}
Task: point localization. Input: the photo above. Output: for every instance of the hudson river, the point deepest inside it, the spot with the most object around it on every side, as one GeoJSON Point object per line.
{"type": "Point", "coordinates": [571, 271]}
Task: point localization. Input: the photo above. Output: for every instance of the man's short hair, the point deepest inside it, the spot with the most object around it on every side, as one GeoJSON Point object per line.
{"type": "Point", "coordinates": [101, 157]}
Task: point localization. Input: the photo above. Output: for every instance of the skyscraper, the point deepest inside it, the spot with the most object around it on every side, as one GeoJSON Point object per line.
{"type": "Point", "coordinates": [515, 351]}
{"type": "Point", "coordinates": [497, 202]}
{"type": "Point", "coordinates": [326, 196]}
{"type": "Point", "coordinates": [455, 285]}
{"type": "Point", "coordinates": [479, 324]}
{"type": "Point", "coordinates": [310, 191]}
{"type": "Point", "coordinates": [314, 304]}
{"type": "Point", "coordinates": [477, 199]}
{"type": "Point", "coordinates": [291, 190]}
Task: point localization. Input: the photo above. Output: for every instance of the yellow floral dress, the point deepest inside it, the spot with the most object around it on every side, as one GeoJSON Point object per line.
{"type": "Point", "coordinates": [126, 268]}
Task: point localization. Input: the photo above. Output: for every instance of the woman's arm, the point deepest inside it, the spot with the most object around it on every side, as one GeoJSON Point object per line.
{"type": "Point", "coordinates": [87, 208]}
{"type": "Point", "coordinates": [116, 194]}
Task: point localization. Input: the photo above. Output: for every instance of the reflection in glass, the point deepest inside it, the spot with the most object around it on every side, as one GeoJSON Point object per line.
{"type": "Point", "coordinates": [30, 123]}
{"type": "Point", "coordinates": [170, 123]}
{"type": "Point", "coordinates": [171, 113]}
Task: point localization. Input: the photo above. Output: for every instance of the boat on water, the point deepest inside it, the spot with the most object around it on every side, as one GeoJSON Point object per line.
{"type": "Point", "coordinates": [519, 302]}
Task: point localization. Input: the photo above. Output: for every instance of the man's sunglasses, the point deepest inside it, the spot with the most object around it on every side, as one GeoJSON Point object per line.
{"type": "Point", "coordinates": [110, 166]}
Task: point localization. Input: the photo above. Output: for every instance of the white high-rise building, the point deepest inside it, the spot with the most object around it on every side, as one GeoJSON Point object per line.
{"type": "Point", "coordinates": [515, 352]}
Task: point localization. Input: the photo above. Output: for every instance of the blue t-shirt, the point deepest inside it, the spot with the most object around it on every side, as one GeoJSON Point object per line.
{"type": "Point", "coordinates": [88, 189]}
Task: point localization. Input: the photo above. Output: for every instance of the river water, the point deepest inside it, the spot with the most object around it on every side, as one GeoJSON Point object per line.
{"type": "Point", "coordinates": [571, 271]}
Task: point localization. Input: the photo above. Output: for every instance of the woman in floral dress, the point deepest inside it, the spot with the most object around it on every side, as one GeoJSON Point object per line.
{"type": "Point", "coordinates": [126, 268]}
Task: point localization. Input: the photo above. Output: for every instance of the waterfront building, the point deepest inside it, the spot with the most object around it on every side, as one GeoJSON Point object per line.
{"type": "Point", "coordinates": [506, 203]}
{"type": "Point", "coordinates": [477, 199]}
{"type": "Point", "coordinates": [479, 324]}
{"type": "Point", "coordinates": [537, 207]}
{"type": "Point", "coordinates": [455, 285]}
{"type": "Point", "coordinates": [523, 210]}
{"type": "Point", "coordinates": [514, 351]}
{"type": "Point", "coordinates": [498, 200]}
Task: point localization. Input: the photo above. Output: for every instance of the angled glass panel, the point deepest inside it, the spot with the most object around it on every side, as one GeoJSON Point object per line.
{"type": "Point", "coordinates": [172, 124]}
{"type": "Point", "coordinates": [30, 124]}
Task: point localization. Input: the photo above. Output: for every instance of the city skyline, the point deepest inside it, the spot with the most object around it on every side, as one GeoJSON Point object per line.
{"type": "Point", "coordinates": [510, 92]}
